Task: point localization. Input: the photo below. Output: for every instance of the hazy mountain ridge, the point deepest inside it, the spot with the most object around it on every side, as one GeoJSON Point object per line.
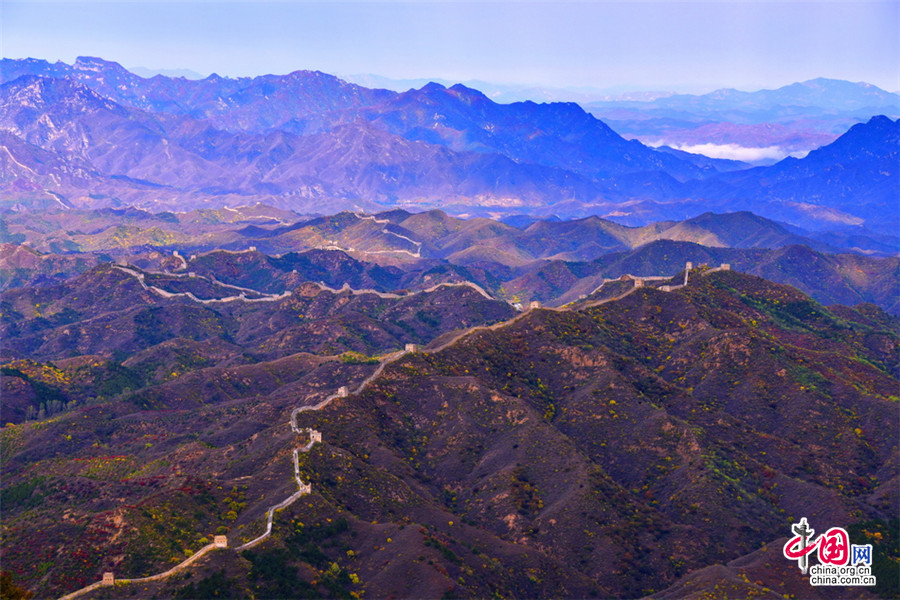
{"type": "Point", "coordinates": [856, 175]}
{"type": "Point", "coordinates": [243, 104]}
{"type": "Point", "coordinates": [822, 93]}
{"type": "Point", "coordinates": [558, 134]}
{"type": "Point", "coordinates": [214, 144]}
{"type": "Point", "coordinates": [189, 158]}
{"type": "Point", "coordinates": [762, 126]}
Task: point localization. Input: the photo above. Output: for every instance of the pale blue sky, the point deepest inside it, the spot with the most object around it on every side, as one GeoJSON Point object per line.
{"type": "Point", "coordinates": [645, 44]}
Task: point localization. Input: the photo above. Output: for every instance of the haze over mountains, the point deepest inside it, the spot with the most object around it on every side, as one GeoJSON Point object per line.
{"type": "Point", "coordinates": [313, 143]}
{"type": "Point", "coordinates": [766, 125]}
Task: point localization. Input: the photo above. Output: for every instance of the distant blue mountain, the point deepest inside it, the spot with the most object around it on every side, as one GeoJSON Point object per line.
{"type": "Point", "coordinates": [310, 141]}
{"type": "Point", "coordinates": [147, 73]}
{"type": "Point", "coordinates": [243, 104]}
{"type": "Point", "coordinates": [823, 94]}
{"type": "Point", "coordinates": [791, 120]}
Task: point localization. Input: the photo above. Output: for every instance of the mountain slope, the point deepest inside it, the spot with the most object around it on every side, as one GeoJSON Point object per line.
{"type": "Point", "coordinates": [526, 431]}
{"type": "Point", "coordinates": [113, 310]}
{"type": "Point", "coordinates": [609, 451]}
{"type": "Point", "coordinates": [181, 154]}
{"type": "Point", "coordinates": [829, 278]}
{"type": "Point", "coordinates": [853, 180]}
{"type": "Point", "coordinates": [551, 261]}
{"type": "Point", "coordinates": [556, 135]}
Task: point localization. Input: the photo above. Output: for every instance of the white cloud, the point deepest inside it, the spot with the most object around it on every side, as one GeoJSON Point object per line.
{"type": "Point", "coordinates": [766, 154]}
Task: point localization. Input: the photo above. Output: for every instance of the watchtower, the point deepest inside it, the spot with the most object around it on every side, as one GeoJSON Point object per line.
{"type": "Point", "coordinates": [638, 282]}
{"type": "Point", "coordinates": [725, 267]}
{"type": "Point", "coordinates": [108, 579]}
{"type": "Point", "coordinates": [343, 391]}
{"type": "Point", "coordinates": [534, 304]}
{"type": "Point", "coordinates": [220, 541]}
{"type": "Point", "coordinates": [315, 436]}
{"type": "Point", "coordinates": [411, 348]}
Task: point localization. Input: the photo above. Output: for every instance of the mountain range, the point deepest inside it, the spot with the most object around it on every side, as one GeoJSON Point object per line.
{"type": "Point", "coordinates": [654, 443]}
{"type": "Point", "coordinates": [551, 261]}
{"type": "Point", "coordinates": [765, 124]}
{"type": "Point", "coordinates": [822, 95]}
{"type": "Point", "coordinates": [93, 134]}
{"type": "Point", "coordinates": [291, 337]}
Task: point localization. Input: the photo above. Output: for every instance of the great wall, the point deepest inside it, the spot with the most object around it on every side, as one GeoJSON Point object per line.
{"type": "Point", "coordinates": [221, 541]}
{"type": "Point", "coordinates": [141, 277]}
{"type": "Point", "coordinates": [335, 245]}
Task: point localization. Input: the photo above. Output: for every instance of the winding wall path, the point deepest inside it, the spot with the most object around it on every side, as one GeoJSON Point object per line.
{"type": "Point", "coordinates": [356, 292]}
{"type": "Point", "coordinates": [264, 297]}
{"type": "Point", "coordinates": [141, 277]}
{"type": "Point", "coordinates": [173, 571]}
{"type": "Point", "coordinates": [343, 392]}
{"type": "Point", "coordinates": [385, 222]}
